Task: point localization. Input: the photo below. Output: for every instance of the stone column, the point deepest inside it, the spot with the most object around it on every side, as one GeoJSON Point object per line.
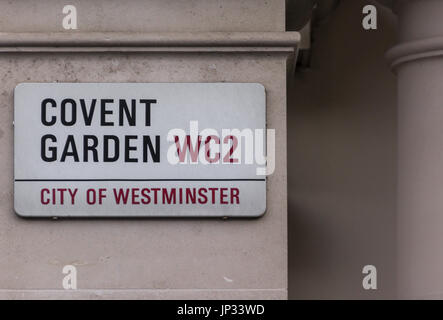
{"type": "Point", "coordinates": [418, 62]}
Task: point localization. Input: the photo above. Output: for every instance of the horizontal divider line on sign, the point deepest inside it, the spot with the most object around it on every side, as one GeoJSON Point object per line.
{"type": "Point", "coordinates": [44, 180]}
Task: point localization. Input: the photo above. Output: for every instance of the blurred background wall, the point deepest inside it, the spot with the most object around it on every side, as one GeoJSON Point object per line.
{"type": "Point", "coordinates": [342, 159]}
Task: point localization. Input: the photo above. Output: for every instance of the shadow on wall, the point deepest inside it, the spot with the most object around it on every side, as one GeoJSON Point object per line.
{"type": "Point", "coordinates": [342, 160]}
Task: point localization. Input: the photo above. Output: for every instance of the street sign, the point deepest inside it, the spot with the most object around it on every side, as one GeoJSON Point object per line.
{"type": "Point", "coordinates": [139, 149]}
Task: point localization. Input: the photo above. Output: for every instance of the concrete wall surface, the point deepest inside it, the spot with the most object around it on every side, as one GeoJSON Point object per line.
{"type": "Point", "coordinates": [146, 258]}
{"type": "Point", "coordinates": [342, 131]}
{"type": "Point", "coordinates": [145, 15]}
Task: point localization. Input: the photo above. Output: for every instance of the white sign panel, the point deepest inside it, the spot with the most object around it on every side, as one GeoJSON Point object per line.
{"type": "Point", "coordinates": [139, 149]}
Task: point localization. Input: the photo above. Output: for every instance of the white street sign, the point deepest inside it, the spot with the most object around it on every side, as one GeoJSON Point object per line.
{"type": "Point", "coordinates": [139, 149]}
